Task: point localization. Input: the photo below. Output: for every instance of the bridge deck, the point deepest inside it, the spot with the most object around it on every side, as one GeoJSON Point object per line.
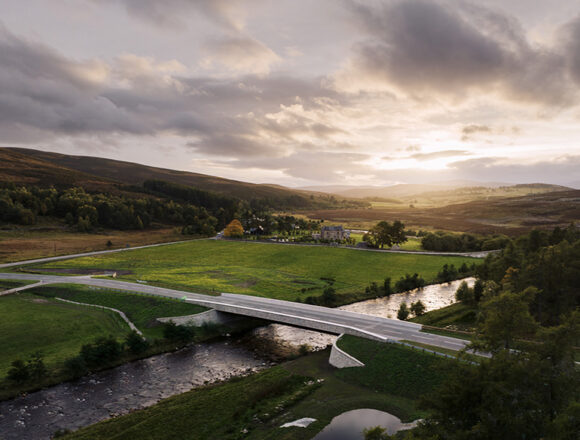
{"type": "Point", "coordinates": [303, 315]}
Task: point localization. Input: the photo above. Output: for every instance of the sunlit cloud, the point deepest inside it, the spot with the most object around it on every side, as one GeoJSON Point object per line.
{"type": "Point", "coordinates": [362, 93]}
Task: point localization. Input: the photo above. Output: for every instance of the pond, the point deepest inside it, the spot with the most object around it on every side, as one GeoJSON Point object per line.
{"type": "Point", "coordinates": [350, 425]}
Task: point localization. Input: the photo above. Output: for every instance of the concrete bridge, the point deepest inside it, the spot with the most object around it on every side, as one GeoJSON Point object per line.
{"type": "Point", "coordinates": [302, 315]}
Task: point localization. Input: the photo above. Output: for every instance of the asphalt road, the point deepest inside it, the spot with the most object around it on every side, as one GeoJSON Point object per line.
{"type": "Point", "coordinates": [303, 315]}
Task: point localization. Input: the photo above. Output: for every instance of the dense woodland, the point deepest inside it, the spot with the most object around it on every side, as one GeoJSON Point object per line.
{"type": "Point", "coordinates": [85, 212]}
{"type": "Point", "coordinates": [527, 301]}
{"type": "Point", "coordinates": [448, 242]}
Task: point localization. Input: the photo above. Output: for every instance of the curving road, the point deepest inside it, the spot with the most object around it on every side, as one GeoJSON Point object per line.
{"type": "Point", "coordinates": [298, 314]}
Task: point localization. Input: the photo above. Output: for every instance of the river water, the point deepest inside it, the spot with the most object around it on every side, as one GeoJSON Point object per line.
{"type": "Point", "coordinates": [139, 384]}
{"type": "Point", "coordinates": [433, 297]}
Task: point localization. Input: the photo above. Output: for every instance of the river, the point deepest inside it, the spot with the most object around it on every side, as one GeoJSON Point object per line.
{"type": "Point", "coordinates": [139, 384]}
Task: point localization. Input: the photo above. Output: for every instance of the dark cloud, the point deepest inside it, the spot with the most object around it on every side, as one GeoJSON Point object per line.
{"type": "Point", "coordinates": [572, 36]}
{"type": "Point", "coordinates": [474, 128]}
{"type": "Point", "coordinates": [440, 154]}
{"type": "Point", "coordinates": [442, 47]}
{"type": "Point", "coordinates": [174, 14]}
{"type": "Point", "coordinates": [44, 92]}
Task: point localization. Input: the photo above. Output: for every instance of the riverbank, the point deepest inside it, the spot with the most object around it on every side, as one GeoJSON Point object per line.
{"type": "Point", "coordinates": [258, 405]}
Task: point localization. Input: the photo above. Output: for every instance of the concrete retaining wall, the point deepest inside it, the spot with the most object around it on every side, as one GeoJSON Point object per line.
{"type": "Point", "coordinates": [209, 317]}
{"type": "Point", "coordinates": [341, 359]}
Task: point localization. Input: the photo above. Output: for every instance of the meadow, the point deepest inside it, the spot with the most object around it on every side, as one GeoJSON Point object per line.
{"type": "Point", "coordinates": [32, 323]}
{"type": "Point", "coordinates": [289, 272]}
{"type": "Point", "coordinates": [140, 309]}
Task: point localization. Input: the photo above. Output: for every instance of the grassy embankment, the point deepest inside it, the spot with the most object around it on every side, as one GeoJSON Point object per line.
{"type": "Point", "coordinates": [393, 380]}
{"type": "Point", "coordinates": [271, 270]}
{"type": "Point", "coordinates": [457, 321]}
{"type": "Point", "coordinates": [36, 322]}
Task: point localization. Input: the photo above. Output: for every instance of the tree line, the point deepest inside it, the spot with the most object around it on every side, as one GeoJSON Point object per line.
{"type": "Point", "coordinates": [85, 211]}
{"type": "Point", "coordinates": [448, 242]}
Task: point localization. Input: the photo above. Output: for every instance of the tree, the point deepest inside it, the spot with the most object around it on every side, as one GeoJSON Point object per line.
{"type": "Point", "coordinates": [136, 343]}
{"type": "Point", "coordinates": [101, 352]}
{"type": "Point", "coordinates": [376, 433]}
{"type": "Point", "coordinates": [505, 318]}
{"type": "Point", "coordinates": [18, 372]}
{"type": "Point", "coordinates": [403, 312]}
{"type": "Point", "coordinates": [329, 295]}
{"type": "Point", "coordinates": [418, 308]}
{"type": "Point", "coordinates": [464, 293]}
{"type": "Point", "coordinates": [387, 286]}
{"type": "Point", "coordinates": [178, 333]}
{"type": "Point", "coordinates": [478, 290]}
{"type": "Point", "coordinates": [386, 234]}
{"type": "Point", "coordinates": [36, 368]}
{"type": "Point", "coordinates": [234, 229]}
{"type": "Point", "coordinates": [529, 394]}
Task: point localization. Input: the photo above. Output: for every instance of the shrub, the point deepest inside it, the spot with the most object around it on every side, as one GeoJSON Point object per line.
{"type": "Point", "coordinates": [418, 308]}
{"type": "Point", "coordinates": [18, 372]}
{"type": "Point", "coordinates": [178, 333]}
{"type": "Point", "coordinates": [403, 312]}
{"type": "Point", "coordinates": [409, 282]}
{"type": "Point", "coordinates": [101, 352]}
{"type": "Point", "coordinates": [75, 367]}
{"type": "Point", "coordinates": [136, 343]}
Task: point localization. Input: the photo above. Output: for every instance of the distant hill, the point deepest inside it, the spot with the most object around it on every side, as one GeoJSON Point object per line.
{"type": "Point", "coordinates": [22, 168]}
{"type": "Point", "coordinates": [94, 173]}
{"type": "Point", "coordinates": [406, 191]}
{"type": "Point", "coordinates": [507, 215]}
{"type": "Point", "coordinates": [135, 174]}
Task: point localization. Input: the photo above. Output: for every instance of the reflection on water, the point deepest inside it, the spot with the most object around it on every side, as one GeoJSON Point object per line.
{"type": "Point", "coordinates": [117, 391]}
{"type": "Point", "coordinates": [434, 297]}
{"type": "Point", "coordinates": [350, 425]}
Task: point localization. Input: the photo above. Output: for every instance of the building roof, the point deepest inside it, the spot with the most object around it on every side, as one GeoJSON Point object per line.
{"type": "Point", "coordinates": [332, 228]}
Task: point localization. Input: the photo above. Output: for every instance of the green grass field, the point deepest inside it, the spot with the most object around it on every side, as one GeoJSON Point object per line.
{"type": "Point", "coordinates": [262, 402]}
{"type": "Point", "coordinates": [32, 323]}
{"type": "Point", "coordinates": [140, 309]}
{"type": "Point", "coordinates": [272, 270]}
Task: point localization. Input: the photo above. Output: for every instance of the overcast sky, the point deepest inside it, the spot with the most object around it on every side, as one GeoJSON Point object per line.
{"type": "Point", "coordinates": [300, 92]}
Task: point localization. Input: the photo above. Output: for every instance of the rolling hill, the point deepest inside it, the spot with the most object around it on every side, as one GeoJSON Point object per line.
{"type": "Point", "coordinates": [21, 165]}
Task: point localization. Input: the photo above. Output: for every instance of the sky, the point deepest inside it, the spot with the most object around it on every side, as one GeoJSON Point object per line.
{"type": "Point", "coordinates": [300, 92]}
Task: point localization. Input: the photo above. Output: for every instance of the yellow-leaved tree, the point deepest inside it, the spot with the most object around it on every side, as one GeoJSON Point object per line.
{"type": "Point", "coordinates": [234, 229]}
